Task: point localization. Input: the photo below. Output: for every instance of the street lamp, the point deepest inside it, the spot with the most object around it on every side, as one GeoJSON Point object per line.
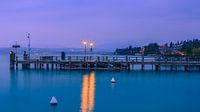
{"type": "Point", "coordinates": [29, 45]}
{"type": "Point", "coordinates": [91, 45]}
{"type": "Point", "coordinates": [84, 44]}
{"type": "Point", "coordinates": [142, 51]}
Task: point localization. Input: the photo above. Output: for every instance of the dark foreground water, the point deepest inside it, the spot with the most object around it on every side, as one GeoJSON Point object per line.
{"type": "Point", "coordinates": [31, 91]}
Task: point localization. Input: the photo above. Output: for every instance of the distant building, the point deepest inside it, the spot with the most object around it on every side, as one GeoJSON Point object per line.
{"type": "Point", "coordinates": [164, 49]}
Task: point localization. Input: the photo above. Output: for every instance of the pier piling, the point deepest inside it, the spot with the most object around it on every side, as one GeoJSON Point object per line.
{"type": "Point", "coordinates": [12, 60]}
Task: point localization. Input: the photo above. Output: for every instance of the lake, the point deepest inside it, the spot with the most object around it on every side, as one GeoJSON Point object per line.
{"type": "Point", "coordinates": [92, 91]}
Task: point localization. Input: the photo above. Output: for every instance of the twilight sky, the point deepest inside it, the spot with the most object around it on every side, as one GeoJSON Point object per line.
{"type": "Point", "coordinates": [109, 23]}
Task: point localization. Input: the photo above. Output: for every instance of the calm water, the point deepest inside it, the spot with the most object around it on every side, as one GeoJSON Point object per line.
{"type": "Point", "coordinates": [31, 91]}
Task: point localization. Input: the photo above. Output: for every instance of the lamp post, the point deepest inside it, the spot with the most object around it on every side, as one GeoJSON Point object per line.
{"type": "Point", "coordinates": [142, 51]}
{"type": "Point", "coordinates": [91, 49]}
{"type": "Point", "coordinates": [85, 45]}
{"type": "Point", "coordinates": [29, 45]}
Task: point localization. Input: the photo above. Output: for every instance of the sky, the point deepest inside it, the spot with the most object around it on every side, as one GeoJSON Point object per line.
{"type": "Point", "coordinates": [109, 23]}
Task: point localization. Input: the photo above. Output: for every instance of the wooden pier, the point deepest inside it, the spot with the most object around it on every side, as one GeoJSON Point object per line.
{"type": "Point", "coordinates": [96, 63]}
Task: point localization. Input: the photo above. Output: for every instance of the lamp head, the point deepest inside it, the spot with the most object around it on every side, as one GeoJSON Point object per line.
{"type": "Point", "coordinates": [91, 44]}
{"type": "Point", "coordinates": [84, 43]}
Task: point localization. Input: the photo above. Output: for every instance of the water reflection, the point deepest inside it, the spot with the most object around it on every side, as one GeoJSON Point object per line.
{"type": "Point", "coordinates": [88, 93]}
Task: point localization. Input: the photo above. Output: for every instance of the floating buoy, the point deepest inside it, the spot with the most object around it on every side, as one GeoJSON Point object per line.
{"type": "Point", "coordinates": [113, 80]}
{"type": "Point", "coordinates": [53, 101]}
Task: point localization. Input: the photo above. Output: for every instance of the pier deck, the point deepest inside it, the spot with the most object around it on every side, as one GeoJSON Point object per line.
{"type": "Point", "coordinates": [98, 63]}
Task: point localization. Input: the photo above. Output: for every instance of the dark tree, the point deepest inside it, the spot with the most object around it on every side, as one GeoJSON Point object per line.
{"type": "Point", "coordinates": [152, 48]}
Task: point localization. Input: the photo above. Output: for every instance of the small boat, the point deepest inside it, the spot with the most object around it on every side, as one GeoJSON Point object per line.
{"type": "Point", "coordinates": [53, 101]}
{"type": "Point", "coordinates": [113, 80]}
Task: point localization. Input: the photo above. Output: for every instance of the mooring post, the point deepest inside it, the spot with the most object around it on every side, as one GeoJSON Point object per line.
{"type": "Point", "coordinates": [40, 66]}
{"type": "Point", "coordinates": [96, 65]}
{"type": "Point", "coordinates": [142, 67]}
{"type": "Point", "coordinates": [143, 49]}
{"type": "Point", "coordinates": [126, 58]}
{"type": "Point", "coordinates": [16, 63]}
{"type": "Point", "coordinates": [199, 68]}
{"type": "Point", "coordinates": [171, 67]}
{"type": "Point", "coordinates": [56, 66]}
{"type": "Point", "coordinates": [47, 65]}
{"type": "Point", "coordinates": [84, 58]}
{"type": "Point", "coordinates": [69, 58]}
{"type": "Point", "coordinates": [121, 65]}
{"type": "Point", "coordinates": [157, 67]}
{"type": "Point", "coordinates": [52, 66]}
{"type": "Point", "coordinates": [35, 66]}
{"type": "Point", "coordinates": [12, 60]}
{"type": "Point", "coordinates": [129, 66]}
{"type": "Point", "coordinates": [60, 66]}
{"type": "Point", "coordinates": [133, 65]}
{"type": "Point", "coordinates": [186, 67]}
{"type": "Point", "coordinates": [81, 64]}
{"type": "Point", "coordinates": [27, 59]}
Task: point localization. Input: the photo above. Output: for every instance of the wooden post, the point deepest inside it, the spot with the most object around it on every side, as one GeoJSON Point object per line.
{"type": "Point", "coordinates": [186, 67]}
{"type": "Point", "coordinates": [96, 65]}
{"type": "Point", "coordinates": [60, 66]}
{"type": "Point", "coordinates": [199, 68]}
{"type": "Point", "coordinates": [157, 67]}
{"type": "Point", "coordinates": [69, 58]}
{"type": "Point", "coordinates": [171, 68]}
{"type": "Point", "coordinates": [142, 67]}
{"type": "Point", "coordinates": [52, 66]}
{"type": "Point", "coordinates": [47, 65]}
{"type": "Point", "coordinates": [16, 63]}
{"type": "Point", "coordinates": [126, 58]}
{"type": "Point", "coordinates": [129, 66]}
{"type": "Point", "coordinates": [35, 66]}
{"type": "Point", "coordinates": [12, 60]}
{"type": "Point", "coordinates": [40, 66]}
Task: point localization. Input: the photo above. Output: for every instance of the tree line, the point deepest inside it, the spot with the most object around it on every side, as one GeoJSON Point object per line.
{"type": "Point", "coordinates": [186, 47]}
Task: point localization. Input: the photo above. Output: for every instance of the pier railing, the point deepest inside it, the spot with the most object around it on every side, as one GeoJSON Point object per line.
{"type": "Point", "coordinates": [111, 58]}
{"type": "Point", "coordinates": [103, 62]}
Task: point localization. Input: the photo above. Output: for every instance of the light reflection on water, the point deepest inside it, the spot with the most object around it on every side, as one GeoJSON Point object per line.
{"type": "Point", "coordinates": [88, 93]}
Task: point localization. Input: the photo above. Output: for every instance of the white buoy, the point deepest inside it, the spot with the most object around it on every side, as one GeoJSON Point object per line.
{"type": "Point", "coordinates": [53, 101]}
{"type": "Point", "coordinates": [113, 80]}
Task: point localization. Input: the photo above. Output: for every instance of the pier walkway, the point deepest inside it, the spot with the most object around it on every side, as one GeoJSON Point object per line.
{"type": "Point", "coordinates": [98, 62]}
